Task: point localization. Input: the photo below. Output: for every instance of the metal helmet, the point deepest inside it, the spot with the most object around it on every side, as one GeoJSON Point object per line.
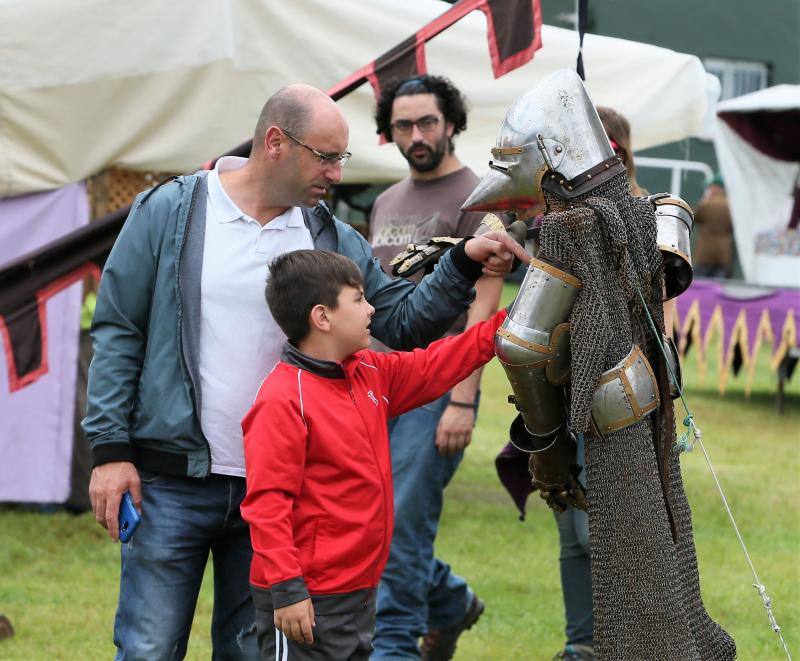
{"type": "Point", "coordinates": [551, 138]}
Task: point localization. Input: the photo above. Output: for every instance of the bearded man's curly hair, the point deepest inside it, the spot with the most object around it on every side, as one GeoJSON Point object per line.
{"type": "Point", "coordinates": [450, 101]}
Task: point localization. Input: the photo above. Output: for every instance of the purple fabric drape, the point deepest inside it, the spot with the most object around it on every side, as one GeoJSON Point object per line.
{"type": "Point", "coordinates": [36, 422]}
{"type": "Point", "coordinates": [735, 300]}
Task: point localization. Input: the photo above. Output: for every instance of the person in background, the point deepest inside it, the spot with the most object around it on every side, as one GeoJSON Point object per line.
{"type": "Point", "coordinates": [712, 253]}
{"type": "Point", "coordinates": [419, 595]}
{"type": "Point", "coordinates": [618, 129]}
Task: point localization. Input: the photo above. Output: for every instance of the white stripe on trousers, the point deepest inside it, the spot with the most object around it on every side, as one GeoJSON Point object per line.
{"type": "Point", "coordinates": [281, 646]}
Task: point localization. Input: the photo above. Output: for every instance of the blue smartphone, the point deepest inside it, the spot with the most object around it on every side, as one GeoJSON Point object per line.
{"type": "Point", "coordinates": [128, 518]}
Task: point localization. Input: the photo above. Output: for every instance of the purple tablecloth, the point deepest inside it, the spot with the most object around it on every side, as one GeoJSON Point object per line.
{"type": "Point", "coordinates": [742, 317]}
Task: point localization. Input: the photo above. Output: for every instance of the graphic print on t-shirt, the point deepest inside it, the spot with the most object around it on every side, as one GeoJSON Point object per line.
{"type": "Point", "coordinates": [399, 232]}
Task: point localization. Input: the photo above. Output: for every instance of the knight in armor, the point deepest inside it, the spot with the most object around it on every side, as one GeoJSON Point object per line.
{"type": "Point", "coordinates": [573, 523]}
{"type": "Point", "coordinates": [584, 350]}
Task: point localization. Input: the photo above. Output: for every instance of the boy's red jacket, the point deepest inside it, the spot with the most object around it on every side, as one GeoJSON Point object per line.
{"type": "Point", "coordinates": [319, 476]}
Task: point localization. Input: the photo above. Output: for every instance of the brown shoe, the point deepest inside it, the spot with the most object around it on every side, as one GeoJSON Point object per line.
{"type": "Point", "coordinates": [440, 644]}
{"type": "Point", "coordinates": [6, 630]}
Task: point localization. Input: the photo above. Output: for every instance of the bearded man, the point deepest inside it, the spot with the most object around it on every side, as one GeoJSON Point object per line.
{"type": "Point", "coordinates": [419, 594]}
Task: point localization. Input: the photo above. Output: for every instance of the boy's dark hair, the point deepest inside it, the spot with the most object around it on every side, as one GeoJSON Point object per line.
{"type": "Point", "coordinates": [301, 279]}
{"type": "Point", "coordinates": [450, 101]}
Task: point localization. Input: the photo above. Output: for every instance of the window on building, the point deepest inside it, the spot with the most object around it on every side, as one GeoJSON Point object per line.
{"type": "Point", "coordinates": [737, 77]}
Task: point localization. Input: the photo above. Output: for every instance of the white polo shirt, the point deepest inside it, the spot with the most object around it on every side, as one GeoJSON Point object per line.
{"type": "Point", "coordinates": [239, 340]}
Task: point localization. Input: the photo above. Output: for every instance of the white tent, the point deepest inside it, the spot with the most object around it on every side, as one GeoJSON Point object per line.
{"type": "Point", "coordinates": [166, 86]}
{"type": "Point", "coordinates": [758, 147]}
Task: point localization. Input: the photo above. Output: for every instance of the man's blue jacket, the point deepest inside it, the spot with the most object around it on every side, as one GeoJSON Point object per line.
{"type": "Point", "coordinates": [144, 388]}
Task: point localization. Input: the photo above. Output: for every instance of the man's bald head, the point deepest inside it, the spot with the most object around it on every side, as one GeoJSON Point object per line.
{"type": "Point", "coordinates": [293, 108]}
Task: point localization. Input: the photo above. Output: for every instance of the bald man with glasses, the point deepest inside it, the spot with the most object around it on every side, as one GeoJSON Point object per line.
{"type": "Point", "coordinates": [182, 340]}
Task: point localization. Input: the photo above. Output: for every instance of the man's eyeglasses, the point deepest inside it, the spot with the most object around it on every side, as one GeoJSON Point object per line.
{"type": "Point", "coordinates": [424, 124]}
{"type": "Point", "coordinates": [324, 159]}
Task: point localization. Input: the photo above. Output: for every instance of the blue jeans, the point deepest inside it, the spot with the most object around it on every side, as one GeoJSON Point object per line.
{"type": "Point", "coordinates": [417, 591]}
{"type": "Point", "coordinates": [574, 561]}
{"type": "Point", "coordinates": [163, 564]}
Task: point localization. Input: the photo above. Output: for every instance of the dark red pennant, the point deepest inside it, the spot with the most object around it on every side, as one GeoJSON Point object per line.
{"type": "Point", "coordinates": [405, 60]}
{"type": "Point", "coordinates": [514, 32]}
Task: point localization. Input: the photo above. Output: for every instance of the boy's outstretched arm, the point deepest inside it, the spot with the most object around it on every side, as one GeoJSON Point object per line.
{"type": "Point", "coordinates": [417, 377]}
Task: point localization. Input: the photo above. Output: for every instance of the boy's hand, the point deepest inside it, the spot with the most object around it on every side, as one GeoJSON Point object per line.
{"type": "Point", "coordinates": [296, 620]}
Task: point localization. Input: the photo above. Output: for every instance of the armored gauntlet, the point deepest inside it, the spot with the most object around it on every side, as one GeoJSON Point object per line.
{"type": "Point", "coordinates": [552, 466]}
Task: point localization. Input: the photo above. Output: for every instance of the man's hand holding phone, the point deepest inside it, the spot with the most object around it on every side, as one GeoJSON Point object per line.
{"type": "Point", "coordinates": [108, 483]}
{"type": "Point", "coordinates": [129, 518]}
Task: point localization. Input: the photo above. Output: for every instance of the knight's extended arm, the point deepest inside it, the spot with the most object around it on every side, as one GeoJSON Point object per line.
{"type": "Point", "coordinates": [533, 346]}
{"type": "Point", "coordinates": [418, 256]}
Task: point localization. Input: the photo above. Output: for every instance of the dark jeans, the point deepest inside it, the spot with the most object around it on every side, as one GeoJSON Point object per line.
{"type": "Point", "coordinates": [417, 590]}
{"type": "Point", "coordinates": [576, 575]}
{"type": "Point", "coordinates": [163, 564]}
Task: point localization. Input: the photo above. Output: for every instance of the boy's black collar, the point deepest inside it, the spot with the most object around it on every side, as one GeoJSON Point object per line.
{"type": "Point", "coordinates": [327, 368]}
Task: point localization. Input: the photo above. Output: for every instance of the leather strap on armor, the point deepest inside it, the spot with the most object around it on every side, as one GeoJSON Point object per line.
{"type": "Point", "coordinates": [585, 181]}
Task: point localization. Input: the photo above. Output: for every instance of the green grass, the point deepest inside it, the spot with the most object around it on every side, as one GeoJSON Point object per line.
{"type": "Point", "coordinates": [59, 574]}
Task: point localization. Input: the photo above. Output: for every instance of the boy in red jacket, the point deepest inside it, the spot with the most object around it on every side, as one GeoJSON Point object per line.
{"type": "Point", "coordinates": [319, 478]}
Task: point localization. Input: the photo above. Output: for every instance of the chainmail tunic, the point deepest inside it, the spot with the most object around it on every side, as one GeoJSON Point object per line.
{"type": "Point", "coordinates": [645, 586]}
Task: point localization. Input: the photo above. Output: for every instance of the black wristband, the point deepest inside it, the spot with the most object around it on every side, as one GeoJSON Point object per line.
{"type": "Point", "coordinates": [468, 268]}
{"type": "Point", "coordinates": [462, 405]}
